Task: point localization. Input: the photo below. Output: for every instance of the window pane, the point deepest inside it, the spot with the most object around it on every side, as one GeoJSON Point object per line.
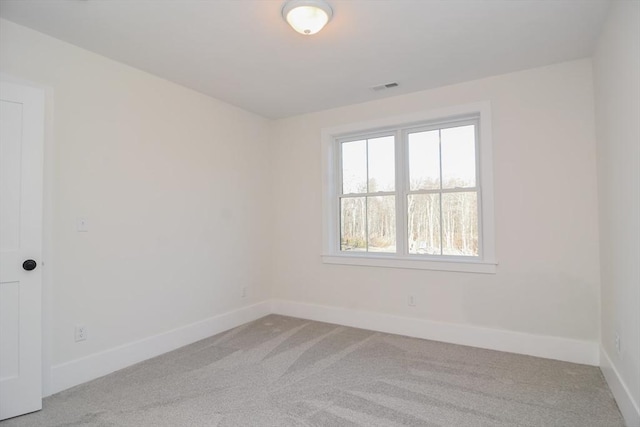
{"type": "Point", "coordinates": [424, 160]}
{"type": "Point", "coordinates": [352, 224]}
{"type": "Point", "coordinates": [354, 167]}
{"type": "Point", "coordinates": [460, 224]}
{"type": "Point", "coordinates": [424, 224]}
{"type": "Point", "coordinates": [381, 218]}
{"type": "Point", "coordinates": [459, 157]}
{"type": "Point", "coordinates": [382, 170]}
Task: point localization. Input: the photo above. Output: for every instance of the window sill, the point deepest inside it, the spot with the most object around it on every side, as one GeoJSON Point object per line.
{"type": "Point", "coordinates": [483, 267]}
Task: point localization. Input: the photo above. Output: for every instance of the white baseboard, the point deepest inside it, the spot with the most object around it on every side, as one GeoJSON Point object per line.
{"type": "Point", "coordinates": [565, 349]}
{"type": "Point", "coordinates": [96, 365]}
{"type": "Point", "coordinates": [629, 409]}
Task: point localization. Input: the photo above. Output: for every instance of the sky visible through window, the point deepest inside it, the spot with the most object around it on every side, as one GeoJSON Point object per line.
{"type": "Point", "coordinates": [379, 163]}
{"type": "Point", "coordinates": [458, 161]}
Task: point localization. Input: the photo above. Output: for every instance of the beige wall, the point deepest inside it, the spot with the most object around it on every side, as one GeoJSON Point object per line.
{"type": "Point", "coordinates": [170, 181]}
{"type": "Point", "coordinates": [545, 202]}
{"type": "Point", "coordinates": [617, 89]}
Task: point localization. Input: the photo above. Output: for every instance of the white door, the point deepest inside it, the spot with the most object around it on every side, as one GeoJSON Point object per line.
{"type": "Point", "coordinates": [21, 163]}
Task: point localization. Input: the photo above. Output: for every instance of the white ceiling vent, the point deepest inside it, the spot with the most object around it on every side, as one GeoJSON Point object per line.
{"type": "Point", "coordinates": [385, 86]}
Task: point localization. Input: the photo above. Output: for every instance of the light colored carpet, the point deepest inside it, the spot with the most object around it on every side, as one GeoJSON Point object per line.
{"type": "Point", "coordinates": [281, 371]}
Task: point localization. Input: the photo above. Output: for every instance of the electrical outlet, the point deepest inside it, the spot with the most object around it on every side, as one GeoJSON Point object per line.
{"type": "Point", "coordinates": [81, 333]}
{"type": "Point", "coordinates": [244, 292]}
{"type": "Point", "coordinates": [411, 301]}
{"type": "Point", "coordinates": [617, 343]}
{"type": "Point", "coordinates": [82, 225]}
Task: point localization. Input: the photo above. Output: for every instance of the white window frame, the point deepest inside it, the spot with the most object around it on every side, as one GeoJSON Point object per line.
{"type": "Point", "coordinates": [484, 263]}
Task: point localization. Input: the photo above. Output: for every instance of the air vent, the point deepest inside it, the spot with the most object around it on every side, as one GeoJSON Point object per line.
{"type": "Point", "coordinates": [378, 88]}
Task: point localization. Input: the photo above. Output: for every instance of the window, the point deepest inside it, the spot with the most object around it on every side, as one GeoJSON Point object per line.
{"type": "Point", "coordinates": [413, 192]}
{"type": "Point", "coordinates": [368, 199]}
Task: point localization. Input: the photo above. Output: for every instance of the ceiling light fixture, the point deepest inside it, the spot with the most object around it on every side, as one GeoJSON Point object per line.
{"type": "Point", "coordinates": [307, 16]}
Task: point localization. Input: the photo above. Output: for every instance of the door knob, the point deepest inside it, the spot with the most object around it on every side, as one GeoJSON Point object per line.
{"type": "Point", "coordinates": [29, 264]}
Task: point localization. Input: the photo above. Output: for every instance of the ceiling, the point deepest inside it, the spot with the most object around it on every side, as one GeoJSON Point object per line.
{"type": "Point", "coordinates": [242, 52]}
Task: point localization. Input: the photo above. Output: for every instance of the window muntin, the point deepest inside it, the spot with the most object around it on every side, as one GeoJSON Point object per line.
{"type": "Point", "coordinates": [436, 191]}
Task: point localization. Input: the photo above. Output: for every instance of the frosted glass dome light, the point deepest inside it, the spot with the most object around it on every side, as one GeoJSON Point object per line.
{"type": "Point", "coordinates": [307, 16]}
